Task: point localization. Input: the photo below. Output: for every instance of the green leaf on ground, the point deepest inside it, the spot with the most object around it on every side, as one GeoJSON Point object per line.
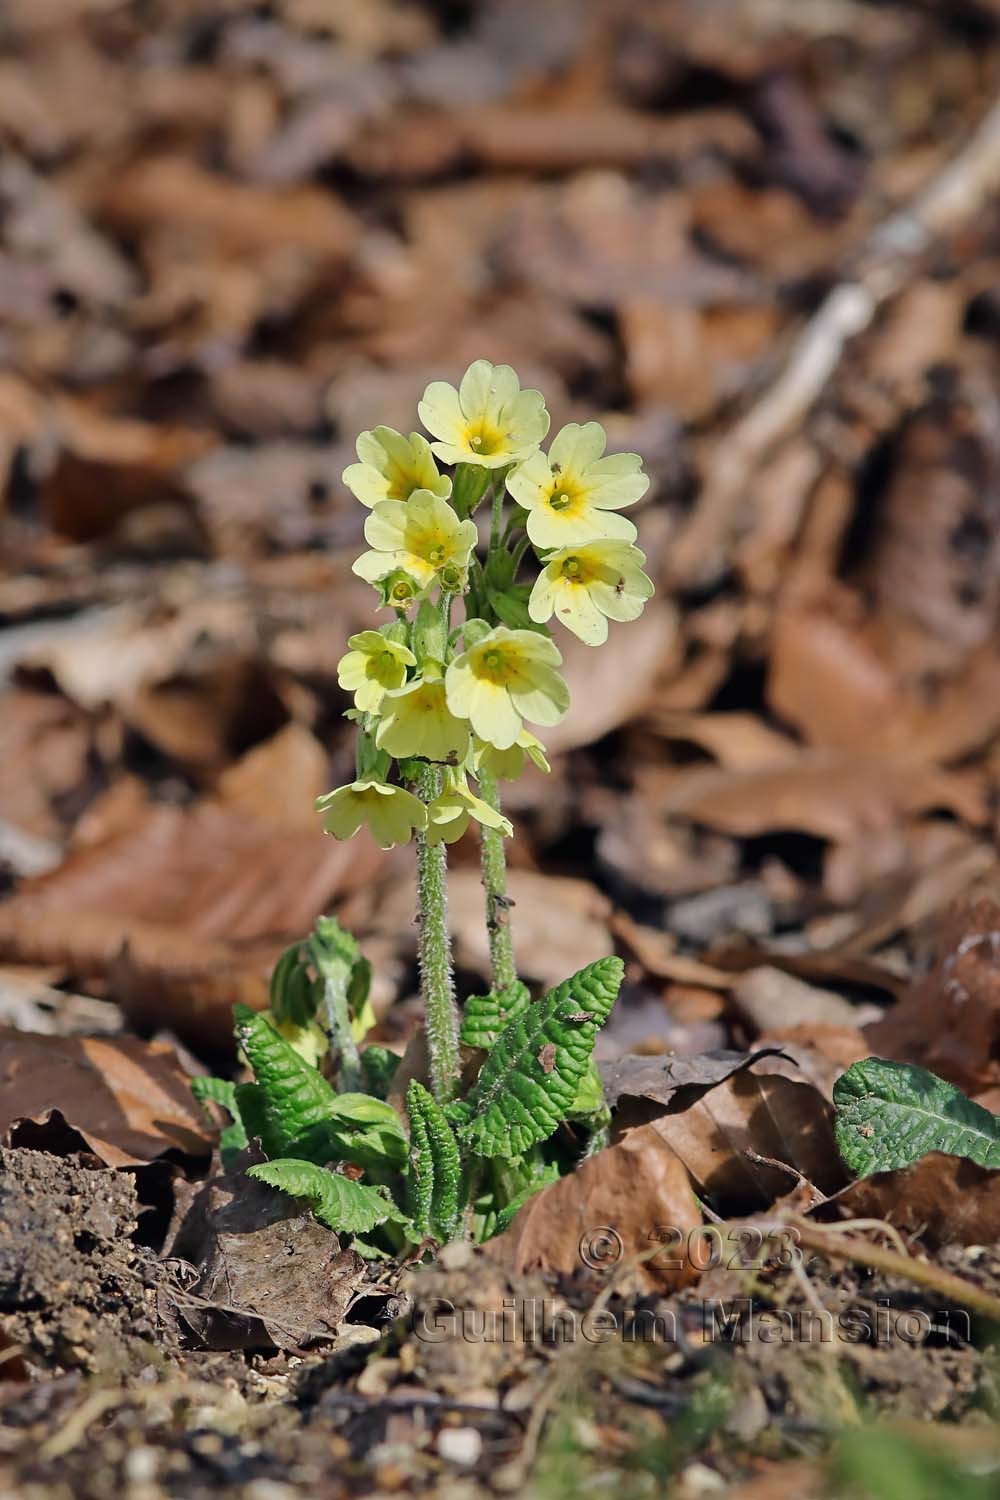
{"type": "Point", "coordinates": [889, 1114]}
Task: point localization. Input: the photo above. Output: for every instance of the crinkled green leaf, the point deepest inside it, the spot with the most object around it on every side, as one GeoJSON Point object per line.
{"type": "Point", "coordinates": [295, 991]}
{"type": "Point", "coordinates": [379, 1066]}
{"type": "Point", "coordinates": [296, 1096]}
{"type": "Point", "coordinates": [889, 1114]}
{"type": "Point", "coordinates": [589, 1102]}
{"type": "Point", "coordinates": [544, 1178]}
{"type": "Point", "coordinates": [345, 1206]}
{"type": "Point", "coordinates": [485, 1016]}
{"type": "Point", "coordinates": [233, 1138]}
{"type": "Point", "coordinates": [531, 1077]}
{"type": "Point", "coordinates": [434, 1170]}
{"type": "Point", "coordinates": [359, 1129]}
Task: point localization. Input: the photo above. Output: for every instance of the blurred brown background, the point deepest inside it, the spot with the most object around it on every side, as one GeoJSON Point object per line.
{"type": "Point", "coordinates": [234, 234]}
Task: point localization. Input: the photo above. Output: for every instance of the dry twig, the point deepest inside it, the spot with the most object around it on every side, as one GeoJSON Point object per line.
{"type": "Point", "coordinates": [885, 263]}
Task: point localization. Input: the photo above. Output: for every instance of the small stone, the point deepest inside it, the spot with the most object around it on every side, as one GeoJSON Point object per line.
{"type": "Point", "coordinates": [458, 1256]}
{"type": "Point", "coordinates": [460, 1445]}
{"type": "Point", "coordinates": [141, 1465]}
{"type": "Point", "coordinates": [699, 1479]}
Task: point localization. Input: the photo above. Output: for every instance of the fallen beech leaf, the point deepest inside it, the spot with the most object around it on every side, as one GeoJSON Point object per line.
{"type": "Point", "coordinates": [826, 794]}
{"type": "Point", "coordinates": [279, 780]}
{"type": "Point", "coordinates": [724, 1111]}
{"type": "Point", "coordinates": [767, 1114]}
{"type": "Point", "coordinates": [559, 924]}
{"type": "Point", "coordinates": [635, 1189]}
{"type": "Point", "coordinates": [130, 1100]}
{"type": "Point", "coordinates": [270, 1275]}
{"type": "Point", "coordinates": [663, 1079]}
{"type": "Point", "coordinates": [43, 752]}
{"type": "Point", "coordinates": [739, 742]}
{"type": "Point", "coordinates": [185, 910]}
{"type": "Point", "coordinates": [609, 686]}
{"type": "Point", "coordinates": [832, 678]}
{"type": "Point", "coordinates": [949, 1021]}
{"type": "Point", "coordinates": [770, 999]}
{"type": "Point", "coordinates": [169, 190]}
{"type": "Point", "coordinates": [946, 1200]}
{"type": "Point", "coordinates": [199, 718]}
{"type": "Point", "coordinates": [821, 1052]}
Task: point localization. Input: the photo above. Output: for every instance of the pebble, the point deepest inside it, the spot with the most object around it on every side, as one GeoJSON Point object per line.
{"type": "Point", "coordinates": [460, 1445]}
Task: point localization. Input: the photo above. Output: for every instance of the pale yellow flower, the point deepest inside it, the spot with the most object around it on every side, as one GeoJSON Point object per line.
{"type": "Point", "coordinates": [450, 813]}
{"type": "Point", "coordinates": [505, 678]}
{"type": "Point", "coordinates": [417, 722]}
{"type": "Point", "coordinates": [507, 765]}
{"type": "Point", "coordinates": [422, 535]}
{"type": "Point", "coordinates": [588, 585]}
{"type": "Point", "coordinates": [573, 494]}
{"type": "Point", "coordinates": [489, 420]}
{"type": "Point", "coordinates": [373, 665]}
{"type": "Point", "coordinates": [390, 812]}
{"type": "Point", "coordinates": [392, 467]}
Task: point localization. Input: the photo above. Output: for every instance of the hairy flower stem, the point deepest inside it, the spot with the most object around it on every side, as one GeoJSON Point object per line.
{"type": "Point", "coordinates": [436, 984]}
{"type": "Point", "coordinates": [494, 862]}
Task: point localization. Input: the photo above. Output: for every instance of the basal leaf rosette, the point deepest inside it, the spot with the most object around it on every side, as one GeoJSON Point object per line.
{"type": "Point", "coordinates": [586, 586]}
{"type": "Point", "coordinates": [489, 420]}
{"type": "Point", "coordinates": [391, 813]}
{"type": "Point", "coordinates": [506, 677]}
{"type": "Point", "coordinates": [574, 493]}
{"type": "Point", "coordinates": [421, 537]}
{"type": "Point", "coordinates": [393, 467]}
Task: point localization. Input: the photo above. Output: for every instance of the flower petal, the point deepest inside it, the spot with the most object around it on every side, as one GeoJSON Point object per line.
{"type": "Point", "coordinates": [441, 412]}
{"type": "Point", "coordinates": [576, 446]}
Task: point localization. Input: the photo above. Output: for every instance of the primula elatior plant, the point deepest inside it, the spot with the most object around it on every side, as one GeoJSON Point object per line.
{"type": "Point", "coordinates": [443, 696]}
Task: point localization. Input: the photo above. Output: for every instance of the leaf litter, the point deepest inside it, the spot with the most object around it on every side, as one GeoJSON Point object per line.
{"type": "Point", "coordinates": [232, 237]}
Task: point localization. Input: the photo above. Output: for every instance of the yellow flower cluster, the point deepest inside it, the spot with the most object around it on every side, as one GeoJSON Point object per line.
{"type": "Point", "coordinates": [461, 695]}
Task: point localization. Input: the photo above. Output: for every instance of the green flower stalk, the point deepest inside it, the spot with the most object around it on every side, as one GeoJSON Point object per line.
{"type": "Point", "coordinates": [434, 949]}
{"type": "Point", "coordinates": [494, 864]}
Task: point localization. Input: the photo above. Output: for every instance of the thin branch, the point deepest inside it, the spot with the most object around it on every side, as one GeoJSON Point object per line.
{"type": "Point", "coordinates": [885, 263]}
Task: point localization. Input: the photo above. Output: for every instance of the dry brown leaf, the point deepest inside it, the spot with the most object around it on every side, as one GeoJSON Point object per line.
{"type": "Point", "coordinates": [269, 1274]}
{"type": "Point", "coordinates": [943, 1199]}
{"type": "Point", "coordinates": [182, 906]}
{"type": "Point", "coordinates": [834, 680]}
{"type": "Point", "coordinates": [43, 752]}
{"type": "Point", "coordinates": [559, 924]}
{"type": "Point", "coordinates": [821, 1052]}
{"type": "Point", "coordinates": [829, 795]}
{"type": "Point", "coordinates": [609, 686]}
{"type": "Point", "coordinates": [738, 742]}
{"type": "Point", "coordinates": [636, 1189]}
{"type": "Point", "coordinates": [201, 718]}
{"type": "Point", "coordinates": [169, 190]}
{"type": "Point", "coordinates": [752, 1113]}
{"type": "Point", "coordinates": [771, 999]}
{"type": "Point", "coordinates": [110, 654]}
{"type": "Point", "coordinates": [130, 1100]}
{"type": "Point", "coordinates": [278, 781]}
{"type": "Point", "coordinates": [949, 1021]}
